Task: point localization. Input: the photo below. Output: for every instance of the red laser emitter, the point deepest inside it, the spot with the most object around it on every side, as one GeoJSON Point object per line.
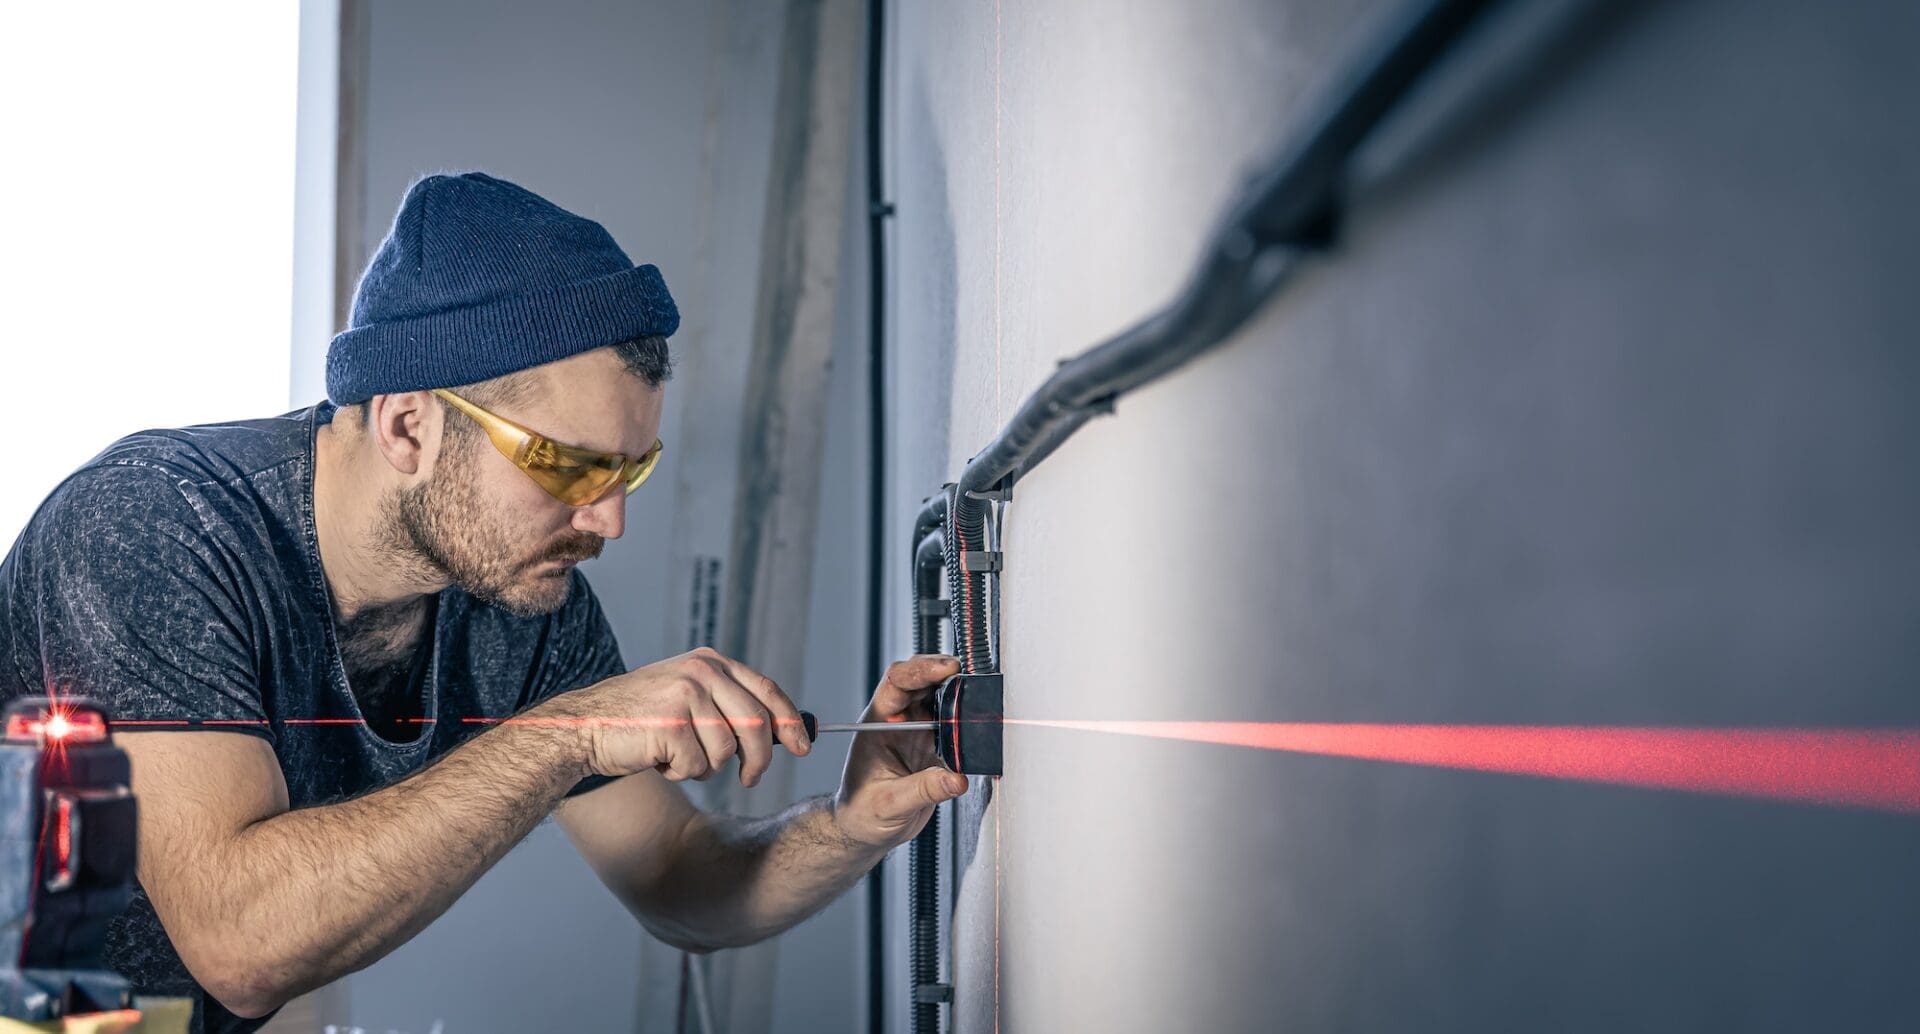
{"type": "Point", "coordinates": [67, 828]}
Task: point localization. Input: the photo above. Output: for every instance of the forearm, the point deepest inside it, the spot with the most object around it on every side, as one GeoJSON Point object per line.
{"type": "Point", "coordinates": [734, 881]}
{"type": "Point", "coordinates": [306, 896]}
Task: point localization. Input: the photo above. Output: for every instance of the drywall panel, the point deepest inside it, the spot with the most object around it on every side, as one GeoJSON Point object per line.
{"type": "Point", "coordinates": [1600, 416]}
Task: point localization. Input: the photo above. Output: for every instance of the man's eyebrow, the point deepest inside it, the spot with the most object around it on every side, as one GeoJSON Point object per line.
{"type": "Point", "coordinates": [628, 453]}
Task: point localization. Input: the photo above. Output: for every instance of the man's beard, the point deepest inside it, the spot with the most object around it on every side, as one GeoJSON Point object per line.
{"type": "Point", "coordinates": [445, 525]}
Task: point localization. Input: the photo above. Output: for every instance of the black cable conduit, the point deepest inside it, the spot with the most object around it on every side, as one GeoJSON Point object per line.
{"type": "Point", "coordinates": [923, 857]}
{"type": "Point", "coordinates": [1290, 209]}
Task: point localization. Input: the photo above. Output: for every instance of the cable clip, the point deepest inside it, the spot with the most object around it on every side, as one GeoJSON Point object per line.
{"type": "Point", "coordinates": [935, 609]}
{"type": "Point", "coordinates": [933, 993]}
{"type": "Point", "coordinates": [980, 560]}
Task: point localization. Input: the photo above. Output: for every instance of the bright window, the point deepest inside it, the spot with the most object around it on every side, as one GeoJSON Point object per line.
{"type": "Point", "coordinates": [146, 170]}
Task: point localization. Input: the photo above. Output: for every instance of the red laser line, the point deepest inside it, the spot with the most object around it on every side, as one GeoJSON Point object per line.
{"type": "Point", "coordinates": [999, 891]}
{"type": "Point", "coordinates": [1877, 769]}
{"type": "Point", "coordinates": [637, 722]}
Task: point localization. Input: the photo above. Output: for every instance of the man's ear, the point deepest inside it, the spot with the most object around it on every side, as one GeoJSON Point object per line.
{"type": "Point", "coordinates": [406, 429]}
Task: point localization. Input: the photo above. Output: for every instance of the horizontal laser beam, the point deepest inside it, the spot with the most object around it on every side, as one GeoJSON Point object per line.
{"type": "Point", "coordinates": [1876, 769]}
{"type": "Point", "coordinates": [534, 720]}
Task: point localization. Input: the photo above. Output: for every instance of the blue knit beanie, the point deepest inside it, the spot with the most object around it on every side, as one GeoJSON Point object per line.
{"type": "Point", "coordinates": [480, 278]}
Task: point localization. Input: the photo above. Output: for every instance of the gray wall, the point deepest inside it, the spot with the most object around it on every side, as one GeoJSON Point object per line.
{"type": "Point", "coordinates": [1600, 416]}
{"type": "Point", "coordinates": [656, 120]}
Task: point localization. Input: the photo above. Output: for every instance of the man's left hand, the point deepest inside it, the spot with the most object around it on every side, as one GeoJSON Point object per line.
{"type": "Point", "coordinates": [893, 780]}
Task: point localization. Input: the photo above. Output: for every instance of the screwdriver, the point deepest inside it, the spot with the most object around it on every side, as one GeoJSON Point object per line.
{"type": "Point", "coordinates": [814, 728]}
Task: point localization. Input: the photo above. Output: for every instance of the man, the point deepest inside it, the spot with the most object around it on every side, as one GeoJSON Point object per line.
{"type": "Point", "coordinates": [353, 665]}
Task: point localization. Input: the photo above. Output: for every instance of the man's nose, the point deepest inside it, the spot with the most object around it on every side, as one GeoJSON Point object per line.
{"type": "Point", "coordinates": [606, 516]}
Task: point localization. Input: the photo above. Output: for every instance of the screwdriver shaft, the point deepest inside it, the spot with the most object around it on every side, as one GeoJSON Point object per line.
{"type": "Point", "coordinates": [879, 726]}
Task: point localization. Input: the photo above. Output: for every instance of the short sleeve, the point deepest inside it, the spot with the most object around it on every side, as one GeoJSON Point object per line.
{"type": "Point", "coordinates": [135, 603]}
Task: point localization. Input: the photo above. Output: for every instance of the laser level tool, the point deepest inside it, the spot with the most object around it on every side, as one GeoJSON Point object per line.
{"type": "Point", "coordinates": [67, 828]}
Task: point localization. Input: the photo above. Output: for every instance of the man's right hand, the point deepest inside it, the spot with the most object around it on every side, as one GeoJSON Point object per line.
{"type": "Point", "coordinates": [684, 717]}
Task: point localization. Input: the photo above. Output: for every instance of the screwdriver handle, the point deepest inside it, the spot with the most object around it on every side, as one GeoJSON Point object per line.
{"type": "Point", "coordinates": [811, 724]}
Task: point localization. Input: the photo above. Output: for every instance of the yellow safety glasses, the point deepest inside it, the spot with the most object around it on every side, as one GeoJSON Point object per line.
{"type": "Point", "coordinates": [575, 476]}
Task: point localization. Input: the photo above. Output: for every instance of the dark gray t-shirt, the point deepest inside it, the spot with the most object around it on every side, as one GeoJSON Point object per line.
{"type": "Point", "coordinates": [176, 578]}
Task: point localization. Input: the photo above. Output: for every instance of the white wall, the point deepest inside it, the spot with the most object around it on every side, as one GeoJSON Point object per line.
{"type": "Point", "coordinates": [317, 132]}
{"type": "Point", "coordinates": [1602, 414]}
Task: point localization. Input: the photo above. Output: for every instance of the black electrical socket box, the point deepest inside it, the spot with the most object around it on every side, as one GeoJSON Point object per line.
{"type": "Point", "coordinates": [971, 714]}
